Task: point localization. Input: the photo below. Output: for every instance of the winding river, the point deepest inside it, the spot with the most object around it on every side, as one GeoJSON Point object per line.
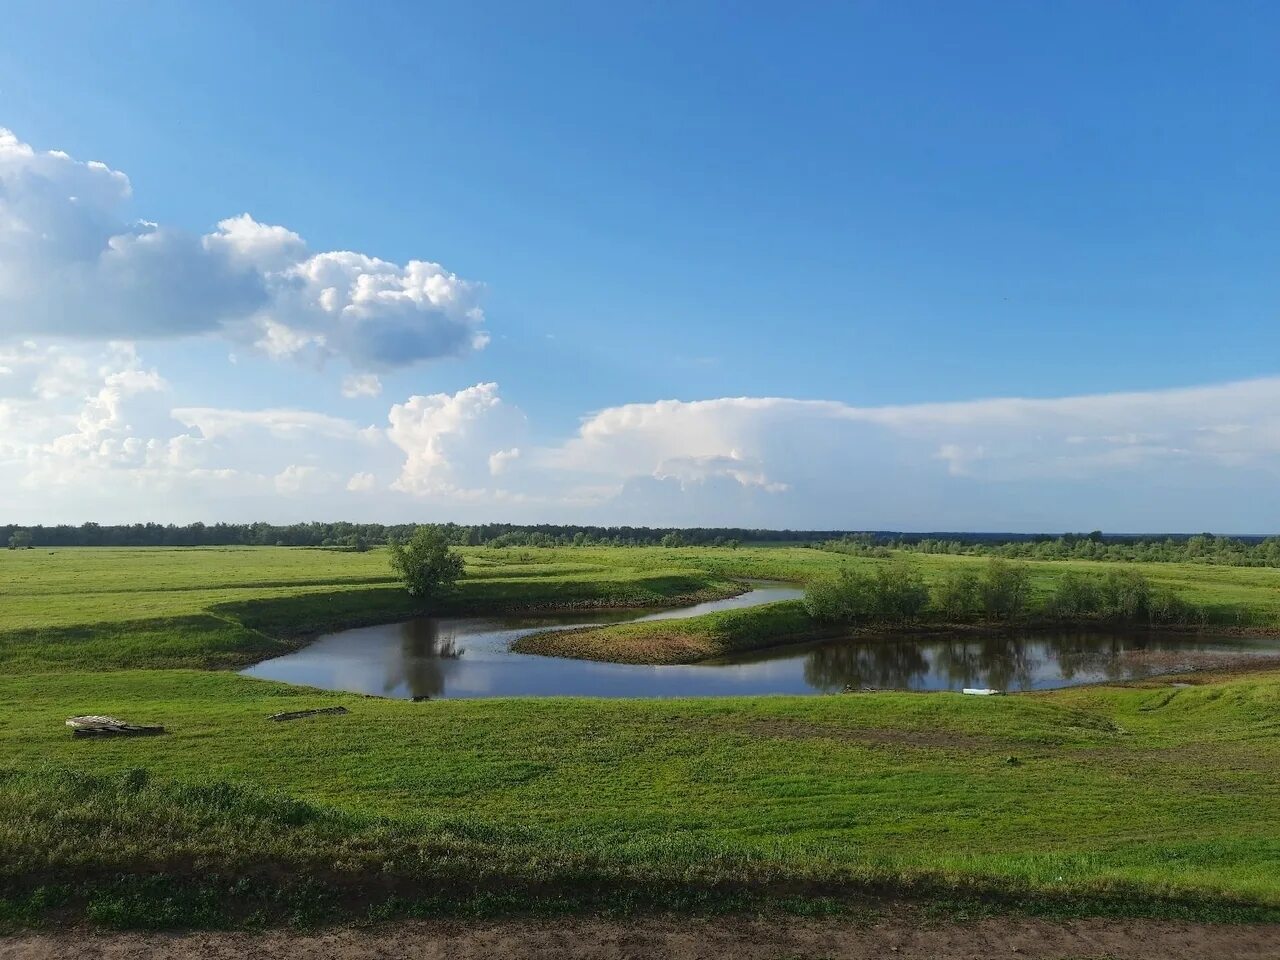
{"type": "Point", "coordinates": [470, 657]}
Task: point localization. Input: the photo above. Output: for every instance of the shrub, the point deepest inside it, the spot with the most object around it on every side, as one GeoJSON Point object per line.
{"type": "Point", "coordinates": [851, 597]}
{"type": "Point", "coordinates": [1165, 606]}
{"type": "Point", "coordinates": [894, 593]}
{"type": "Point", "coordinates": [900, 592]}
{"type": "Point", "coordinates": [1075, 597]}
{"type": "Point", "coordinates": [957, 595]}
{"type": "Point", "coordinates": [1125, 595]}
{"type": "Point", "coordinates": [1004, 589]}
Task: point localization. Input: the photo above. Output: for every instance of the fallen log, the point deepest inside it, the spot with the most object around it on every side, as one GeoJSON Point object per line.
{"type": "Point", "coordinates": [296, 714]}
{"type": "Point", "coordinates": [97, 726]}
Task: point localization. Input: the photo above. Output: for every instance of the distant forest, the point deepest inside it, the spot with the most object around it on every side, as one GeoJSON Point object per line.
{"type": "Point", "coordinates": [1256, 551]}
{"type": "Point", "coordinates": [343, 534]}
{"type": "Point", "coordinates": [1206, 548]}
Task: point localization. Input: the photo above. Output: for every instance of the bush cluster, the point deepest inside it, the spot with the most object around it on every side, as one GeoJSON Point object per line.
{"type": "Point", "coordinates": [895, 592]}
{"type": "Point", "coordinates": [1125, 596]}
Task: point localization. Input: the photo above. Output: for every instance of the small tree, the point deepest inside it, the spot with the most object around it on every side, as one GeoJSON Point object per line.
{"type": "Point", "coordinates": [900, 591]}
{"type": "Point", "coordinates": [852, 597]}
{"type": "Point", "coordinates": [957, 595]}
{"type": "Point", "coordinates": [1005, 589]}
{"type": "Point", "coordinates": [1074, 597]}
{"type": "Point", "coordinates": [425, 563]}
{"type": "Point", "coordinates": [1126, 595]}
{"type": "Point", "coordinates": [20, 540]}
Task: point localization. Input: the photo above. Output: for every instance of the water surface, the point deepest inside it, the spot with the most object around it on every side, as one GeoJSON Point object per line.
{"type": "Point", "coordinates": [469, 657]}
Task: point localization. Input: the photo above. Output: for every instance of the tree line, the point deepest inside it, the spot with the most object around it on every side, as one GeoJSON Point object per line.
{"type": "Point", "coordinates": [1201, 548]}
{"type": "Point", "coordinates": [1194, 548]}
{"type": "Point", "coordinates": [363, 535]}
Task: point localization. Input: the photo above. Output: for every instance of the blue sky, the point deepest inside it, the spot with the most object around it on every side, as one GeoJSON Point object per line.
{"type": "Point", "coordinates": [881, 206]}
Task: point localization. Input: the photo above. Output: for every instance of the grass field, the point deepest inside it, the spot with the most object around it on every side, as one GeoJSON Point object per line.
{"type": "Point", "coordinates": [1144, 799]}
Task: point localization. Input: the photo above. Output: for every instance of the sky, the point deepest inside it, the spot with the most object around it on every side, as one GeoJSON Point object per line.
{"type": "Point", "coordinates": [875, 265]}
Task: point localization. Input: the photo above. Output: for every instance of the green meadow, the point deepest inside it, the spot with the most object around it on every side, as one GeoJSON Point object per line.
{"type": "Point", "coordinates": [1142, 799]}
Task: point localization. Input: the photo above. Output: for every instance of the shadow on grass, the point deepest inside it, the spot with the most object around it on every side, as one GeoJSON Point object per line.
{"type": "Point", "coordinates": [311, 613]}
{"type": "Point", "coordinates": [199, 641]}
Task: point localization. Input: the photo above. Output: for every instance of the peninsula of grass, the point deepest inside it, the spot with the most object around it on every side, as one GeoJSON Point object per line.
{"type": "Point", "coordinates": [1143, 799]}
{"type": "Point", "coordinates": [686, 640]}
{"type": "Point", "coordinates": [871, 605]}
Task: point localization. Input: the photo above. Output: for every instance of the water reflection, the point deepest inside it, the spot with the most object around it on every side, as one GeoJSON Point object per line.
{"type": "Point", "coordinates": [1008, 662]}
{"type": "Point", "coordinates": [858, 666]}
{"type": "Point", "coordinates": [423, 653]}
{"type": "Point", "coordinates": [469, 657]}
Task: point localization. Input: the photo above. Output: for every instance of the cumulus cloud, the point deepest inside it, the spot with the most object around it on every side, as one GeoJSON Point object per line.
{"type": "Point", "coordinates": [433, 430]}
{"type": "Point", "coordinates": [744, 438]}
{"type": "Point", "coordinates": [70, 418]}
{"type": "Point", "coordinates": [73, 263]}
{"type": "Point", "coordinates": [1007, 462]}
{"type": "Point", "coordinates": [361, 385]}
{"type": "Point", "coordinates": [295, 478]}
{"type": "Point", "coordinates": [97, 425]}
{"type": "Point", "coordinates": [500, 459]}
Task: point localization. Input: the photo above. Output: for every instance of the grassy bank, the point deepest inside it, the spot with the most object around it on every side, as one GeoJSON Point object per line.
{"type": "Point", "coordinates": [1143, 799]}
{"type": "Point", "coordinates": [1128, 796]}
{"type": "Point", "coordinates": [686, 640]}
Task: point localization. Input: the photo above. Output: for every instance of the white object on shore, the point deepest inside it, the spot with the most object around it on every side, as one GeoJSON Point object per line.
{"type": "Point", "coordinates": [983, 692]}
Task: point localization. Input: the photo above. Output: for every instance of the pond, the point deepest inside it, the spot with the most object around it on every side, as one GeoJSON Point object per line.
{"type": "Point", "coordinates": [469, 657]}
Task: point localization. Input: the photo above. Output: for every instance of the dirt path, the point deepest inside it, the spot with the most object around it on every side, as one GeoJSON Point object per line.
{"type": "Point", "coordinates": [681, 939]}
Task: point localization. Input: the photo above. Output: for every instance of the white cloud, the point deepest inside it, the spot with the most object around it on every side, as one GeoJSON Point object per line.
{"type": "Point", "coordinates": [699, 469]}
{"type": "Point", "coordinates": [83, 426]}
{"type": "Point", "coordinates": [499, 460]}
{"type": "Point", "coordinates": [280, 342]}
{"type": "Point", "coordinates": [429, 428]}
{"type": "Point", "coordinates": [361, 385]}
{"type": "Point", "coordinates": [998, 439]}
{"type": "Point", "coordinates": [215, 422]}
{"type": "Point", "coordinates": [72, 263]}
{"type": "Point", "coordinates": [1006, 462]}
{"type": "Point", "coordinates": [295, 478]}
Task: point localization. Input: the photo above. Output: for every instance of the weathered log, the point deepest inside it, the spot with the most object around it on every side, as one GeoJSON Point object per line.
{"type": "Point", "coordinates": [96, 726]}
{"type": "Point", "coordinates": [296, 714]}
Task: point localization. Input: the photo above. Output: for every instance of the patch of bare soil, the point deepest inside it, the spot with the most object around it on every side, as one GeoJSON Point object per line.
{"type": "Point", "coordinates": [681, 939]}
